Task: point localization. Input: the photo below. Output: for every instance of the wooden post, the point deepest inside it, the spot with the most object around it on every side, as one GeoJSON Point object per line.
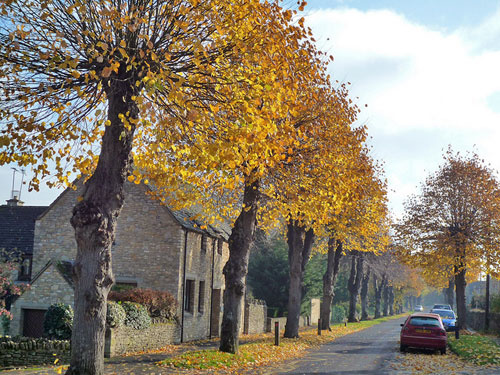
{"type": "Point", "coordinates": [277, 333]}
{"type": "Point", "coordinates": [319, 326]}
{"type": "Point", "coordinates": [457, 333]}
{"type": "Point", "coordinates": [487, 305]}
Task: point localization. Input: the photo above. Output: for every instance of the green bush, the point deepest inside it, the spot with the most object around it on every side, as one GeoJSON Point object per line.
{"type": "Point", "coordinates": [115, 314]}
{"type": "Point", "coordinates": [136, 315]}
{"type": "Point", "coordinates": [495, 303]}
{"type": "Point", "coordinates": [338, 313]}
{"type": "Point", "coordinates": [58, 322]}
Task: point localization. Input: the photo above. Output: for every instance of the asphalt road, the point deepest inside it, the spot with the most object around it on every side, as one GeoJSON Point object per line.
{"type": "Point", "coordinates": [365, 352]}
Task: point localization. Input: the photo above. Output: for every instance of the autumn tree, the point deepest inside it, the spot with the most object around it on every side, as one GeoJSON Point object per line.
{"type": "Point", "coordinates": [254, 142]}
{"type": "Point", "coordinates": [9, 264]}
{"type": "Point", "coordinates": [454, 220]}
{"type": "Point", "coordinates": [90, 86]}
{"type": "Point", "coordinates": [361, 225]}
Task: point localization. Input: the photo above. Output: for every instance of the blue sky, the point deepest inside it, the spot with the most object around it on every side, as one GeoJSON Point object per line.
{"type": "Point", "coordinates": [441, 14]}
{"type": "Point", "coordinates": [429, 72]}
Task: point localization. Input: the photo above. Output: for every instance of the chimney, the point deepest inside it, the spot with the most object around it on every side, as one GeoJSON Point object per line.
{"type": "Point", "coordinates": [14, 202]}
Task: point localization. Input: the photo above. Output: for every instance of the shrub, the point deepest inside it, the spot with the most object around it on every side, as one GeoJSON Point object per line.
{"type": "Point", "coordinates": [58, 322]}
{"type": "Point", "coordinates": [115, 314]}
{"type": "Point", "coordinates": [495, 303]}
{"type": "Point", "coordinates": [136, 315]}
{"type": "Point", "coordinates": [338, 313]}
{"type": "Point", "coordinates": [160, 304]}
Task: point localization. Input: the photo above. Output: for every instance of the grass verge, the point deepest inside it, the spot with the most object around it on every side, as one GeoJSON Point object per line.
{"type": "Point", "coordinates": [477, 349]}
{"type": "Point", "coordinates": [262, 351]}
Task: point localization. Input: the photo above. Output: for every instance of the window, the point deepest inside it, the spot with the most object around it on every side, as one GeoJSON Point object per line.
{"type": "Point", "coordinates": [189, 296]}
{"type": "Point", "coordinates": [204, 243]}
{"type": "Point", "coordinates": [424, 321]}
{"type": "Point", "coordinates": [25, 270]}
{"type": "Point", "coordinates": [220, 244]}
{"type": "Point", "coordinates": [201, 297]}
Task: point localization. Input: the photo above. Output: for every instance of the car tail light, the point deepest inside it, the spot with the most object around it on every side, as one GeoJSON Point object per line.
{"type": "Point", "coordinates": [442, 332]}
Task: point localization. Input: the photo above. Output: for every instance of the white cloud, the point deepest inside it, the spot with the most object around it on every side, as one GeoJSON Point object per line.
{"type": "Point", "coordinates": [425, 88]}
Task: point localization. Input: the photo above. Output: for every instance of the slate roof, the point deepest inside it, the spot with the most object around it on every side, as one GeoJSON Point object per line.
{"type": "Point", "coordinates": [185, 219]}
{"type": "Point", "coordinates": [17, 227]}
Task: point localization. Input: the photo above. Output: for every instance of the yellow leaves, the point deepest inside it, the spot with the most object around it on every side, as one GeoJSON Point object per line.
{"type": "Point", "coordinates": [75, 74]}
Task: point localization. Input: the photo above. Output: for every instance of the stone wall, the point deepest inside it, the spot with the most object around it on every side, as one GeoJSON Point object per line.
{"type": "Point", "coordinates": [255, 317]}
{"type": "Point", "coordinates": [304, 321]}
{"type": "Point", "coordinates": [315, 310]}
{"type": "Point", "coordinates": [124, 339]}
{"type": "Point", "coordinates": [25, 352]}
{"type": "Point", "coordinates": [475, 320]}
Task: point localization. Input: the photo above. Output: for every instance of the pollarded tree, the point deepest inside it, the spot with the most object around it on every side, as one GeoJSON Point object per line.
{"type": "Point", "coordinates": [85, 84]}
{"type": "Point", "coordinates": [454, 220]}
{"type": "Point", "coordinates": [252, 142]}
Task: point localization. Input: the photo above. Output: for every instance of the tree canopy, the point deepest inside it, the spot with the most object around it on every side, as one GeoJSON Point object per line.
{"type": "Point", "coordinates": [451, 227]}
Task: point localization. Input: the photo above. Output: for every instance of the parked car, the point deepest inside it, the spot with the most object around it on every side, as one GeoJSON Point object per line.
{"type": "Point", "coordinates": [419, 308]}
{"type": "Point", "coordinates": [441, 307]}
{"type": "Point", "coordinates": [424, 331]}
{"type": "Point", "coordinates": [448, 318]}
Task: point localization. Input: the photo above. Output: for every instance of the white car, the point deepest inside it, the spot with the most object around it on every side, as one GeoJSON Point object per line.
{"type": "Point", "coordinates": [419, 308]}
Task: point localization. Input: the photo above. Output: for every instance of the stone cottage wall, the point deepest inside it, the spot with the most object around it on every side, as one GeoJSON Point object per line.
{"type": "Point", "coordinates": [198, 268]}
{"type": "Point", "coordinates": [50, 288]}
{"type": "Point", "coordinates": [147, 240]}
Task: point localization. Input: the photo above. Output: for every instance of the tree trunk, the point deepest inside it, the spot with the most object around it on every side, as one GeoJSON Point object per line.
{"type": "Point", "coordinates": [94, 220]}
{"type": "Point", "coordinates": [385, 306]}
{"type": "Point", "coordinates": [378, 287]}
{"type": "Point", "coordinates": [329, 278]}
{"type": "Point", "coordinates": [364, 294]}
{"type": "Point", "coordinates": [487, 305]}
{"type": "Point", "coordinates": [391, 300]}
{"type": "Point", "coordinates": [299, 249]}
{"type": "Point", "coordinates": [236, 268]}
{"type": "Point", "coordinates": [460, 285]}
{"type": "Point", "coordinates": [354, 284]}
{"type": "Point", "coordinates": [448, 292]}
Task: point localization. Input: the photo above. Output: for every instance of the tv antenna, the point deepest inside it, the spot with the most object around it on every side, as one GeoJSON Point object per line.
{"type": "Point", "coordinates": [17, 193]}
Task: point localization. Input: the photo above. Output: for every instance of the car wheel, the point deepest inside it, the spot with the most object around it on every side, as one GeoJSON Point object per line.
{"type": "Point", "coordinates": [402, 348]}
{"type": "Point", "coordinates": [443, 351]}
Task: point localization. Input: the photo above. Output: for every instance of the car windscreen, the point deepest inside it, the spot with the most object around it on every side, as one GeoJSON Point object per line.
{"type": "Point", "coordinates": [444, 307]}
{"type": "Point", "coordinates": [420, 321]}
{"type": "Point", "coordinates": [446, 314]}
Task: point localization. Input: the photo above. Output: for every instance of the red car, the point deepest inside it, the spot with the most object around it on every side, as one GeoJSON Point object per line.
{"type": "Point", "coordinates": [423, 330]}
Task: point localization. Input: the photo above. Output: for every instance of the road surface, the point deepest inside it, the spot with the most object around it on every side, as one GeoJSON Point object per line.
{"type": "Point", "coordinates": [369, 351]}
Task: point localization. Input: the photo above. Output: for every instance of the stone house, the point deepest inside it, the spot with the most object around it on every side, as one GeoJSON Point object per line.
{"type": "Point", "coordinates": [154, 247]}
